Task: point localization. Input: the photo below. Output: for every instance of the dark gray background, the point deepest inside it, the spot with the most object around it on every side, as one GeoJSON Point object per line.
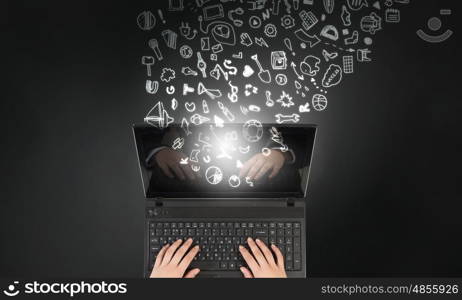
{"type": "Point", "coordinates": [385, 195]}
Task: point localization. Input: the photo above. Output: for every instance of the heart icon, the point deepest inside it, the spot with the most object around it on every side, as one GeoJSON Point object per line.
{"type": "Point", "coordinates": [248, 71]}
{"type": "Point", "coordinates": [190, 106]}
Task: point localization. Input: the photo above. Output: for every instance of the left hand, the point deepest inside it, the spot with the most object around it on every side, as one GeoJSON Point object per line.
{"type": "Point", "coordinates": [173, 261]}
{"type": "Point", "coordinates": [260, 164]}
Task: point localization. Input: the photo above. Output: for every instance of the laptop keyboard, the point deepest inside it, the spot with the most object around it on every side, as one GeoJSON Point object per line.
{"type": "Point", "coordinates": [219, 241]}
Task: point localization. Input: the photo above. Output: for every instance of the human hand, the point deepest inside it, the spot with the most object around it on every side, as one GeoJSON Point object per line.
{"type": "Point", "coordinates": [173, 260]}
{"type": "Point", "coordinates": [262, 263]}
{"type": "Point", "coordinates": [169, 160]}
{"type": "Point", "coordinates": [260, 164]}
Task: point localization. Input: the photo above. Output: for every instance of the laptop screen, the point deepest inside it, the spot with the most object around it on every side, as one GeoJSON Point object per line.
{"type": "Point", "coordinates": [249, 160]}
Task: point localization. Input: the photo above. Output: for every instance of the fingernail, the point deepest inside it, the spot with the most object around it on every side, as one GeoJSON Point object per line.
{"type": "Point", "coordinates": [249, 239]}
{"type": "Point", "coordinates": [257, 240]}
{"type": "Point", "coordinates": [241, 247]}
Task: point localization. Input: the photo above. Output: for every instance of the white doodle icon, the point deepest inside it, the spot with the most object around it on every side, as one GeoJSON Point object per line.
{"type": "Point", "coordinates": [252, 131]}
{"type": "Point", "coordinates": [186, 51]}
{"type": "Point", "coordinates": [270, 30]}
{"type": "Point", "coordinates": [357, 4]}
{"type": "Point", "coordinates": [213, 175]}
{"type": "Point", "coordinates": [264, 75]}
{"type": "Point", "coordinates": [146, 20]}
{"type": "Point", "coordinates": [167, 75]}
{"type": "Point", "coordinates": [158, 116]}
{"type": "Point", "coordinates": [293, 118]}
{"type": "Point", "coordinates": [310, 65]}
{"type": "Point", "coordinates": [332, 76]}
{"type": "Point", "coordinates": [309, 20]}
{"type": "Point", "coordinates": [371, 23]}
{"type": "Point", "coordinates": [330, 32]}
{"type": "Point", "coordinates": [152, 86]}
{"type": "Point", "coordinates": [281, 79]}
{"type": "Point", "coordinates": [319, 102]}
{"type": "Point", "coordinates": [154, 45]}
{"type": "Point", "coordinates": [174, 104]}
{"type": "Point", "coordinates": [197, 119]}
{"type": "Point", "coordinates": [190, 106]}
{"type": "Point", "coordinates": [212, 93]}
{"type": "Point", "coordinates": [285, 100]}
{"type": "Point", "coordinates": [278, 60]}
{"type": "Point", "coordinates": [201, 65]}
{"type": "Point", "coordinates": [187, 32]}
{"type": "Point", "coordinates": [148, 61]}
{"type": "Point", "coordinates": [234, 181]}
{"type": "Point", "coordinates": [170, 38]}
{"type": "Point", "coordinates": [178, 143]}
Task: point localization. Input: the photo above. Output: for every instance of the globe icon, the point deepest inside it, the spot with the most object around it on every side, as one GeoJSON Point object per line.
{"type": "Point", "coordinates": [319, 102]}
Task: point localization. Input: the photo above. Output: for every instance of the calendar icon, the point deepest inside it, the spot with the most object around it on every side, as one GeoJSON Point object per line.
{"type": "Point", "coordinates": [348, 62]}
{"type": "Point", "coordinates": [392, 15]}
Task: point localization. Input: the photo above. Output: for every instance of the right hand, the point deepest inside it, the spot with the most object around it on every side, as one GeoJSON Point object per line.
{"type": "Point", "coordinates": [169, 162]}
{"type": "Point", "coordinates": [262, 263]}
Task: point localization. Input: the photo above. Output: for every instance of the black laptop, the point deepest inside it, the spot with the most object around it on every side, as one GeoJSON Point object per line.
{"type": "Point", "coordinates": [218, 208]}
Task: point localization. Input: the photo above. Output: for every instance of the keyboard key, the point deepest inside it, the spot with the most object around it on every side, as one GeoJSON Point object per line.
{"type": "Point", "coordinates": [205, 265]}
{"type": "Point", "coordinates": [260, 232]}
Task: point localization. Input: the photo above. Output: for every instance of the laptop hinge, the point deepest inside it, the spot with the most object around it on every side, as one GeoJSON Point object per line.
{"type": "Point", "coordinates": [290, 202]}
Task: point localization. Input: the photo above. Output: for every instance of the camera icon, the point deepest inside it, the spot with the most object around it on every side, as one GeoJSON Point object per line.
{"type": "Point", "coordinates": [11, 290]}
{"type": "Point", "coordinates": [435, 24]}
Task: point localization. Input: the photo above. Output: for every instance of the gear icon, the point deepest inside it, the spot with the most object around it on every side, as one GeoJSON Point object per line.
{"type": "Point", "coordinates": [287, 21]}
{"type": "Point", "coordinates": [270, 30]}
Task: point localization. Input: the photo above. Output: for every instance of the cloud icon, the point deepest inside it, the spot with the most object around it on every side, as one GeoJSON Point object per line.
{"type": "Point", "coordinates": [309, 65]}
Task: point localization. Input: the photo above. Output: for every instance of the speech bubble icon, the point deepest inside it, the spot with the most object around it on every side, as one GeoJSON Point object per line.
{"type": "Point", "coordinates": [357, 4]}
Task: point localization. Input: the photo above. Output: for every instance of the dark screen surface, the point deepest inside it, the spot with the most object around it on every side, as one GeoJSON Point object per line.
{"type": "Point", "coordinates": [230, 150]}
{"type": "Point", "coordinates": [385, 195]}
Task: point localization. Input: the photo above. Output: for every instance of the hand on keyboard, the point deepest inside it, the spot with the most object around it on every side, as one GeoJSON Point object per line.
{"type": "Point", "coordinates": [173, 260]}
{"type": "Point", "coordinates": [262, 263]}
{"type": "Point", "coordinates": [169, 162]}
{"type": "Point", "coordinates": [260, 164]}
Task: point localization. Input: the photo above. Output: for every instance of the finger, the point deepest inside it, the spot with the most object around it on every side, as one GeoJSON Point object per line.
{"type": "Point", "coordinates": [166, 170]}
{"type": "Point", "coordinates": [178, 172]}
{"type": "Point", "coordinates": [256, 252]}
{"type": "Point", "coordinates": [192, 273]}
{"type": "Point", "coordinates": [275, 172]}
{"type": "Point", "coordinates": [181, 252]}
{"type": "Point", "coordinates": [246, 272]}
{"type": "Point", "coordinates": [247, 165]}
{"type": "Point", "coordinates": [187, 170]}
{"type": "Point", "coordinates": [160, 256]}
{"type": "Point", "coordinates": [255, 168]}
{"type": "Point", "coordinates": [249, 259]}
{"type": "Point", "coordinates": [170, 252]}
{"type": "Point", "coordinates": [186, 261]}
{"type": "Point", "coordinates": [266, 252]}
{"type": "Point", "coordinates": [266, 167]}
{"type": "Point", "coordinates": [279, 257]}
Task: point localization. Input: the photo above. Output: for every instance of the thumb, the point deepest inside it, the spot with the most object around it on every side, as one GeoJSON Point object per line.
{"type": "Point", "coordinates": [192, 273]}
{"type": "Point", "coordinates": [246, 272]}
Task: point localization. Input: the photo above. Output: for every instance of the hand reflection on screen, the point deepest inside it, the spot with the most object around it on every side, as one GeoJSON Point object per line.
{"type": "Point", "coordinates": [169, 160]}
{"type": "Point", "coordinates": [260, 164]}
